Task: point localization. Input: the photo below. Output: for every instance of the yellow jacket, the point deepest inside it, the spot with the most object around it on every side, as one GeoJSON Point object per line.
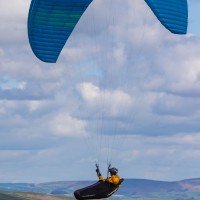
{"type": "Point", "coordinates": [113, 179]}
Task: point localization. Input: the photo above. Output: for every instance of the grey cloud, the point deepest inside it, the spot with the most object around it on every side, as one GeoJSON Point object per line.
{"type": "Point", "coordinates": [158, 71]}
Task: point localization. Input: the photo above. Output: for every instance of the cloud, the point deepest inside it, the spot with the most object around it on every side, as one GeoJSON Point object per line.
{"type": "Point", "coordinates": [165, 154]}
{"type": "Point", "coordinates": [122, 83]}
{"type": "Point", "coordinates": [114, 103]}
{"type": "Point", "coordinates": [8, 156]}
{"type": "Point", "coordinates": [13, 28]}
{"type": "Point", "coordinates": [65, 125]}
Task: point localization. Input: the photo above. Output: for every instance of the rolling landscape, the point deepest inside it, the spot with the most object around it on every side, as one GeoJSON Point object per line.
{"type": "Point", "coordinates": [136, 189]}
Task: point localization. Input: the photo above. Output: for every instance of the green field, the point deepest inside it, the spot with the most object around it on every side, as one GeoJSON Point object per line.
{"type": "Point", "coordinates": [29, 196]}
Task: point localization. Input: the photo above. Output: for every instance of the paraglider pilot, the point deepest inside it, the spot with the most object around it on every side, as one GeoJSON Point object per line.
{"type": "Point", "coordinates": [114, 178]}
{"type": "Point", "coordinates": [104, 188]}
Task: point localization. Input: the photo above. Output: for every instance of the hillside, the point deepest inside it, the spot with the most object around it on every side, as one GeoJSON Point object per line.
{"type": "Point", "coordinates": [128, 188]}
{"type": "Point", "coordinates": [29, 196]}
{"type": "Point", "coordinates": [136, 189]}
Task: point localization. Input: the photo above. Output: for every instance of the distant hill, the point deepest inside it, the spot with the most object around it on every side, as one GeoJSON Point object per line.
{"type": "Point", "coordinates": [129, 187]}
{"type": "Point", "coordinates": [140, 189]}
{"type": "Point", "coordinates": [29, 196]}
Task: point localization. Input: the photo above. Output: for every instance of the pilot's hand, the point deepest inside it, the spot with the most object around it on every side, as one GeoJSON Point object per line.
{"type": "Point", "coordinates": [98, 172]}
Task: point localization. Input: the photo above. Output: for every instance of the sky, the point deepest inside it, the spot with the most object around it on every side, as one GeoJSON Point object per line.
{"type": "Point", "coordinates": [124, 90]}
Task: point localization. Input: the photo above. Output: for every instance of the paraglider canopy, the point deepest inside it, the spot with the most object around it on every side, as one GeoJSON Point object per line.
{"type": "Point", "coordinates": [50, 23]}
{"type": "Point", "coordinates": [173, 14]}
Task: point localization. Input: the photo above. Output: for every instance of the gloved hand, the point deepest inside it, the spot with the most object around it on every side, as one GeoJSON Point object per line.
{"type": "Point", "coordinates": [98, 172]}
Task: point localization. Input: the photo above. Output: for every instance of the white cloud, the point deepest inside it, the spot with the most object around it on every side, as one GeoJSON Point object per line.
{"type": "Point", "coordinates": [65, 125]}
{"type": "Point", "coordinates": [35, 105]}
{"type": "Point", "coordinates": [119, 55]}
{"type": "Point", "coordinates": [118, 74]}
{"type": "Point", "coordinates": [114, 102]}
{"type": "Point", "coordinates": [13, 16]}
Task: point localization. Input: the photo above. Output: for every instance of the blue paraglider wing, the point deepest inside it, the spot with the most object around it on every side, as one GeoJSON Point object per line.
{"type": "Point", "coordinates": [173, 14]}
{"type": "Point", "coordinates": [50, 24]}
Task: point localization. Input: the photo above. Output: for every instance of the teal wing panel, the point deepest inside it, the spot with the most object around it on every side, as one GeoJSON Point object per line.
{"type": "Point", "coordinates": [50, 24]}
